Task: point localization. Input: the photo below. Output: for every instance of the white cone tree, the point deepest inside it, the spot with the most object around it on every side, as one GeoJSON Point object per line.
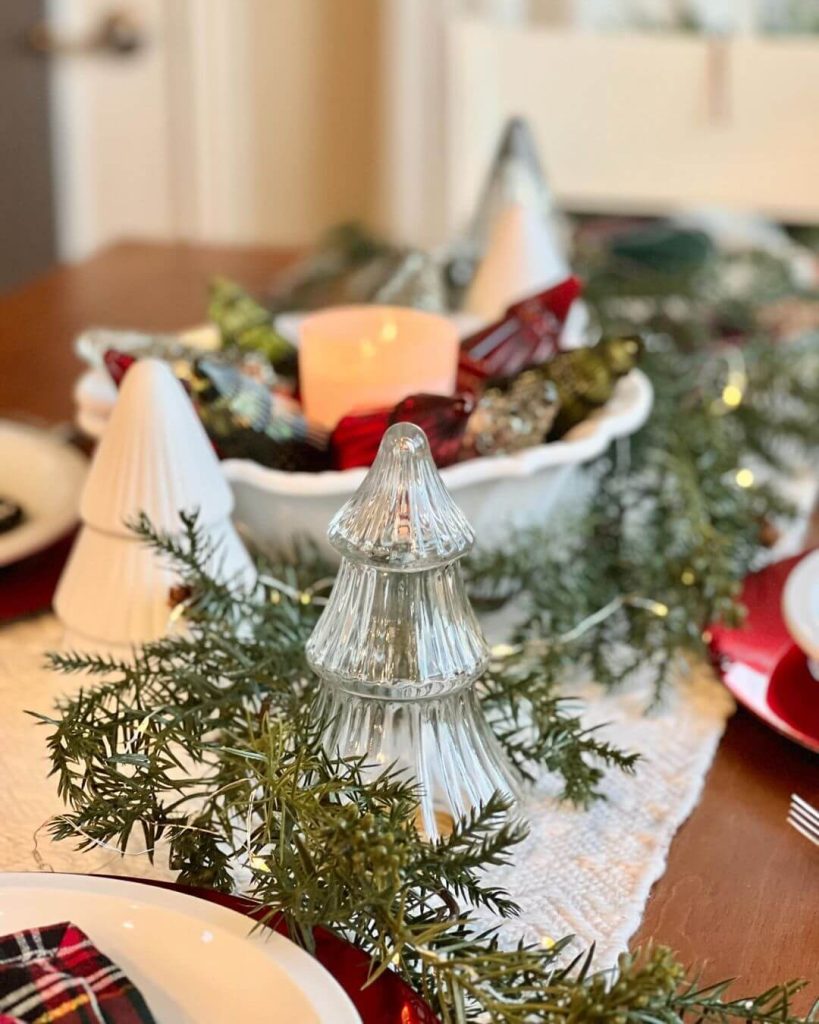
{"type": "Point", "coordinates": [398, 646]}
{"type": "Point", "coordinates": [155, 458]}
{"type": "Point", "coordinates": [521, 258]}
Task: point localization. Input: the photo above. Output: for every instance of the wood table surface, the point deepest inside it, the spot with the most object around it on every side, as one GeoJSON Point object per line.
{"type": "Point", "coordinates": [740, 895]}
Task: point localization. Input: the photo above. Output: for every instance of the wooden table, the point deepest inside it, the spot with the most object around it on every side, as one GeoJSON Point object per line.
{"type": "Point", "coordinates": [741, 892]}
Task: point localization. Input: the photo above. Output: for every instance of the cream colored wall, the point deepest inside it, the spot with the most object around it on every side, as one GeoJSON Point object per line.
{"type": "Point", "coordinates": [303, 115]}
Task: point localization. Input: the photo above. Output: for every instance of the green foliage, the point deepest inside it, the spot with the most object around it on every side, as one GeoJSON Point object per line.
{"type": "Point", "coordinates": [206, 747]}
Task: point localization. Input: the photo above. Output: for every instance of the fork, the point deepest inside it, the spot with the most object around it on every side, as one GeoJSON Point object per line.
{"type": "Point", "coordinates": [804, 818]}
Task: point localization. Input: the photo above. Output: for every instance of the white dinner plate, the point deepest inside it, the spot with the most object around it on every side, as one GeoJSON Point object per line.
{"type": "Point", "coordinates": [44, 474]}
{"type": "Point", "coordinates": [800, 604]}
{"type": "Point", "coordinates": [193, 961]}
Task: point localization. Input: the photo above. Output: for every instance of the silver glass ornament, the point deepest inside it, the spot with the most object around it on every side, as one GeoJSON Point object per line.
{"type": "Point", "coordinates": [398, 647]}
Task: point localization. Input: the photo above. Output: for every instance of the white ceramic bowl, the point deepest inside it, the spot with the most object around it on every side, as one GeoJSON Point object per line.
{"type": "Point", "coordinates": [497, 494]}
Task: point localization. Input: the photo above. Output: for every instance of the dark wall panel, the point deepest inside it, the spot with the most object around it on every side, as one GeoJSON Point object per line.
{"type": "Point", "coordinates": [27, 243]}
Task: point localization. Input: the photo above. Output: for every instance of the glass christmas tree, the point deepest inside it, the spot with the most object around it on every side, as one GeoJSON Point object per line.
{"type": "Point", "coordinates": [398, 646]}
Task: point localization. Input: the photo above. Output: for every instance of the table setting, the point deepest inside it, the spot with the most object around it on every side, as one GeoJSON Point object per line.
{"type": "Point", "coordinates": [370, 641]}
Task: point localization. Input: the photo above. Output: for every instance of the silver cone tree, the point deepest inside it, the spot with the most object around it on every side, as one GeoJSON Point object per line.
{"type": "Point", "coordinates": [515, 175]}
{"type": "Point", "coordinates": [398, 646]}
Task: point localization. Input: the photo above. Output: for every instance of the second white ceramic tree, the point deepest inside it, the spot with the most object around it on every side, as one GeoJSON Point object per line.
{"type": "Point", "coordinates": [155, 458]}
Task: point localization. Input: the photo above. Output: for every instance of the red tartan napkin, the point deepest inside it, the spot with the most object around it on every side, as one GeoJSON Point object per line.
{"type": "Point", "coordinates": [56, 974]}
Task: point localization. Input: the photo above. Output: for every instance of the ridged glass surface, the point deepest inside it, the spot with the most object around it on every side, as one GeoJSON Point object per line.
{"type": "Point", "coordinates": [398, 646]}
{"type": "Point", "coordinates": [390, 633]}
{"type": "Point", "coordinates": [402, 517]}
{"type": "Point", "coordinates": [445, 744]}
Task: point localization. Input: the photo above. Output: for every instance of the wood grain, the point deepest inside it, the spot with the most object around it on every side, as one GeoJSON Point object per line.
{"type": "Point", "coordinates": [741, 891]}
{"type": "Point", "coordinates": [139, 285]}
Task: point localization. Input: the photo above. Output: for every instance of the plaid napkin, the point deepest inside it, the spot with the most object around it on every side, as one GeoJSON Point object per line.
{"type": "Point", "coordinates": [56, 974]}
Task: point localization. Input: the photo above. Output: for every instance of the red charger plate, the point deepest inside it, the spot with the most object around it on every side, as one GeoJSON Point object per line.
{"type": "Point", "coordinates": [27, 586]}
{"type": "Point", "coordinates": [762, 667]}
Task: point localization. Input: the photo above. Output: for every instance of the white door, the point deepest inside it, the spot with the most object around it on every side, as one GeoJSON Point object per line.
{"type": "Point", "coordinates": [246, 121]}
{"type": "Point", "coordinates": [112, 132]}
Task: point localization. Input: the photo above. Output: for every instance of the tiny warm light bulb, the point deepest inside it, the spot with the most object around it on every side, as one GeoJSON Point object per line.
{"type": "Point", "coordinates": [503, 650]}
{"type": "Point", "coordinates": [659, 609]}
{"type": "Point", "coordinates": [732, 396]}
{"type": "Point", "coordinates": [744, 477]}
{"type": "Point", "coordinates": [687, 577]}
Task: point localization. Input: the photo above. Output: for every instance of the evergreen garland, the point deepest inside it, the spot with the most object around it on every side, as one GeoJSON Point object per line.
{"type": "Point", "coordinates": [205, 746]}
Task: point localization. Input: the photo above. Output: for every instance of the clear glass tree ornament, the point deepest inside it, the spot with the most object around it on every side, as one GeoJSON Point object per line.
{"type": "Point", "coordinates": [398, 647]}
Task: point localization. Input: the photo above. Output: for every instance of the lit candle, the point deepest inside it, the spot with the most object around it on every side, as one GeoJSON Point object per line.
{"type": "Point", "coordinates": [353, 358]}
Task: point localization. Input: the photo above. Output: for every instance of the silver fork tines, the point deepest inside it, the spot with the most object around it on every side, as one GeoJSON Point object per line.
{"type": "Point", "coordinates": [804, 818]}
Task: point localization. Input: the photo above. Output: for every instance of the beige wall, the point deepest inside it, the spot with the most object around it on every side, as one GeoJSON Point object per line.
{"type": "Point", "coordinates": [313, 89]}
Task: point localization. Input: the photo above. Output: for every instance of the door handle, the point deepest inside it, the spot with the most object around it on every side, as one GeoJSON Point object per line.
{"type": "Point", "coordinates": [118, 34]}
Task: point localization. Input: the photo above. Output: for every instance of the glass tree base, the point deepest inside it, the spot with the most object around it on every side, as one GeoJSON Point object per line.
{"type": "Point", "coordinates": [444, 743]}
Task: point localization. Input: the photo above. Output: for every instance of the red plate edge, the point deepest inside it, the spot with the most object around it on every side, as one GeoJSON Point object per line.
{"type": "Point", "coordinates": [760, 664]}
{"type": "Point", "coordinates": [388, 1000]}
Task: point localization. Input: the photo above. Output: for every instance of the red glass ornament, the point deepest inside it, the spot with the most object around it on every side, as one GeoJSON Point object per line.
{"type": "Point", "coordinates": [117, 364]}
{"type": "Point", "coordinates": [443, 419]}
{"type": "Point", "coordinates": [356, 438]}
{"type": "Point", "coordinates": [526, 335]}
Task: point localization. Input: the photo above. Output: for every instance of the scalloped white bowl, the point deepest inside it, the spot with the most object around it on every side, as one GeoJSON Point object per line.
{"type": "Point", "coordinates": [498, 494]}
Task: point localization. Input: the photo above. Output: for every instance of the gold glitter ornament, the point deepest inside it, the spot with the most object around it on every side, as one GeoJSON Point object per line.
{"type": "Point", "coordinates": [509, 418]}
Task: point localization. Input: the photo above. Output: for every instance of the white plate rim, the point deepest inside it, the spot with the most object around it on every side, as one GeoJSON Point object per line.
{"type": "Point", "coordinates": [37, 534]}
{"type": "Point", "coordinates": [796, 604]}
{"type": "Point", "coordinates": [328, 998]}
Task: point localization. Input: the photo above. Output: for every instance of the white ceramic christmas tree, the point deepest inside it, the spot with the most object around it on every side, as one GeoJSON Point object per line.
{"type": "Point", "coordinates": [398, 646]}
{"type": "Point", "coordinates": [522, 257]}
{"type": "Point", "coordinates": [155, 458]}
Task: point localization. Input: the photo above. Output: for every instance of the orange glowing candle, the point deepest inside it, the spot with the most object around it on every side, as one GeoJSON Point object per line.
{"type": "Point", "coordinates": [354, 358]}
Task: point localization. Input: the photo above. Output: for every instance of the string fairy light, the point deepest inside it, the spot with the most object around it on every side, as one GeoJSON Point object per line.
{"type": "Point", "coordinates": [305, 596]}
{"type": "Point", "coordinates": [657, 608]}
{"type": "Point", "coordinates": [736, 383]}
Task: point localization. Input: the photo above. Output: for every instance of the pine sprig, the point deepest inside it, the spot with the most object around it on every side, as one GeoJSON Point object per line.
{"type": "Point", "coordinates": [196, 749]}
